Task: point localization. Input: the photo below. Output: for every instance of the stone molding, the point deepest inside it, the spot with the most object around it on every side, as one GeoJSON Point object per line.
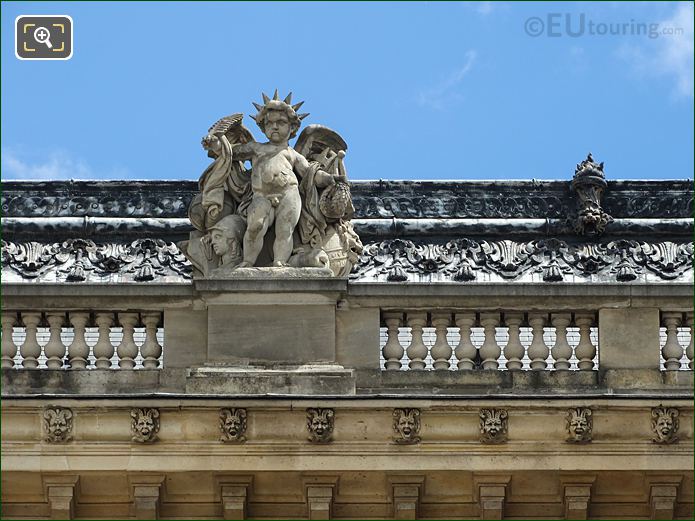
{"type": "Point", "coordinates": [372, 199]}
{"type": "Point", "coordinates": [393, 260]}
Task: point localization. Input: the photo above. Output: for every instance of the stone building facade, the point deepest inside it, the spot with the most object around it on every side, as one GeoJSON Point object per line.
{"type": "Point", "coordinates": [501, 349]}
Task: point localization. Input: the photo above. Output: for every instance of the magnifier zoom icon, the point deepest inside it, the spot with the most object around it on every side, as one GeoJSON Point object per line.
{"type": "Point", "coordinates": [43, 35]}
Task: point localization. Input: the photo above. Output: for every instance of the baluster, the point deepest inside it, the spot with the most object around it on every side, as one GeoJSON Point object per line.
{"type": "Point", "coordinates": [31, 350]}
{"type": "Point", "coordinates": [441, 350]}
{"type": "Point", "coordinates": [128, 349]}
{"type": "Point", "coordinates": [9, 348]}
{"type": "Point", "coordinates": [514, 350]}
{"type": "Point", "coordinates": [393, 350]}
{"type": "Point", "coordinates": [54, 348]}
{"type": "Point", "coordinates": [151, 350]}
{"type": "Point", "coordinates": [538, 352]}
{"type": "Point", "coordinates": [490, 351]}
{"type": "Point", "coordinates": [672, 350]}
{"type": "Point", "coordinates": [585, 350]}
{"type": "Point", "coordinates": [78, 352]}
{"type": "Point", "coordinates": [465, 351]}
{"type": "Point", "coordinates": [562, 351]}
{"type": "Point", "coordinates": [689, 349]}
{"type": "Point", "coordinates": [417, 350]}
{"type": "Point", "coordinates": [103, 349]}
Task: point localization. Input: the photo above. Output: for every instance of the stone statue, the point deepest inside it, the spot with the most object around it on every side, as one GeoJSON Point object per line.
{"type": "Point", "coordinates": [291, 210]}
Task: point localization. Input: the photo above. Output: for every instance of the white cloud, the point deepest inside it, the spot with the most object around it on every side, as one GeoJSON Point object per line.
{"type": "Point", "coordinates": [59, 164]}
{"type": "Point", "coordinates": [670, 54]}
{"type": "Point", "coordinates": [437, 97]}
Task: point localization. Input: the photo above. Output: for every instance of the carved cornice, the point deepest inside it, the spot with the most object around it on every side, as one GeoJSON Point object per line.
{"type": "Point", "coordinates": [372, 199]}
{"type": "Point", "coordinates": [549, 260]}
{"type": "Point", "coordinates": [394, 260]}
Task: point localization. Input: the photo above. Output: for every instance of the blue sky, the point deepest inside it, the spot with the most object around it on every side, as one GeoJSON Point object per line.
{"type": "Point", "coordinates": [419, 90]}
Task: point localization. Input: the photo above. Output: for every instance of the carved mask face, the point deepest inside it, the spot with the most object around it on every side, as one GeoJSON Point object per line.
{"type": "Point", "coordinates": [493, 426]}
{"type": "Point", "coordinates": [145, 425]}
{"type": "Point", "coordinates": [220, 243]}
{"type": "Point", "coordinates": [277, 127]}
{"type": "Point", "coordinates": [58, 425]}
{"type": "Point", "coordinates": [406, 425]}
{"type": "Point", "coordinates": [232, 425]}
{"type": "Point", "coordinates": [578, 425]}
{"type": "Point", "coordinates": [664, 425]}
{"type": "Point", "coordinates": [319, 425]}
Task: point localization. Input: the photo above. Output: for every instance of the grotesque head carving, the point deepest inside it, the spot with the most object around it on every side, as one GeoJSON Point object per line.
{"type": "Point", "coordinates": [233, 424]}
{"type": "Point", "coordinates": [320, 424]}
{"type": "Point", "coordinates": [144, 425]}
{"type": "Point", "coordinates": [57, 422]}
{"type": "Point", "coordinates": [579, 425]}
{"type": "Point", "coordinates": [665, 424]}
{"type": "Point", "coordinates": [493, 425]}
{"type": "Point", "coordinates": [406, 423]}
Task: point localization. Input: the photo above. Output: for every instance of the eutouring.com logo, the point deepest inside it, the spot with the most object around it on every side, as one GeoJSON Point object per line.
{"type": "Point", "coordinates": [573, 25]}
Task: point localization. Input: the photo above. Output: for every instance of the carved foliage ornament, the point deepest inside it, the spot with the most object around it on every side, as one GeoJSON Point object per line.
{"type": "Point", "coordinates": [493, 426]}
{"type": "Point", "coordinates": [406, 424]}
{"type": "Point", "coordinates": [553, 260]}
{"type": "Point", "coordinates": [144, 424]}
{"type": "Point", "coordinates": [665, 425]}
{"type": "Point", "coordinates": [579, 425]}
{"type": "Point", "coordinates": [320, 423]}
{"type": "Point", "coordinates": [233, 425]}
{"type": "Point", "coordinates": [77, 260]}
{"type": "Point", "coordinates": [57, 423]}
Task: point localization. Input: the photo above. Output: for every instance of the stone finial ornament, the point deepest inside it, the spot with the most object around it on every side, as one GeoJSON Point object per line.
{"type": "Point", "coordinates": [57, 423]}
{"type": "Point", "coordinates": [291, 212]}
{"type": "Point", "coordinates": [406, 423]}
{"type": "Point", "coordinates": [320, 423]}
{"type": "Point", "coordinates": [233, 425]}
{"type": "Point", "coordinates": [493, 425]}
{"type": "Point", "coordinates": [589, 182]}
{"type": "Point", "coordinates": [144, 424]}
{"type": "Point", "coordinates": [579, 425]}
{"type": "Point", "coordinates": [665, 425]}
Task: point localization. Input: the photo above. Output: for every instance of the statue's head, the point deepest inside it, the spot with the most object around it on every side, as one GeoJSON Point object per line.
{"type": "Point", "coordinates": [278, 119]}
{"type": "Point", "coordinates": [227, 234]}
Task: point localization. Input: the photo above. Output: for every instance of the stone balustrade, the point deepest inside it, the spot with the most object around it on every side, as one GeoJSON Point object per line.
{"type": "Point", "coordinates": [512, 340]}
{"type": "Point", "coordinates": [82, 340]}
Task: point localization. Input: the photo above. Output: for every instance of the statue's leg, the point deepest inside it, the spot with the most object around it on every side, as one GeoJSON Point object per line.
{"type": "Point", "coordinates": [286, 219]}
{"type": "Point", "coordinates": [259, 217]}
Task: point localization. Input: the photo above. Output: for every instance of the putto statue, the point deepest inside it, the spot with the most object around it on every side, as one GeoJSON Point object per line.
{"type": "Point", "coordinates": [292, 209]}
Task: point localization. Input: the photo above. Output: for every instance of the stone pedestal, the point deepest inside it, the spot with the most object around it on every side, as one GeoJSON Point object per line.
{"type": "Point", "coordinates": [270, 334]}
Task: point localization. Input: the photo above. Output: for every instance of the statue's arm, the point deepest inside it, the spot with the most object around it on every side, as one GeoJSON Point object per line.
{"type": "Point", "coordinates": [244, 152]}
{"type": "Point", "coordinates": [321, 178]}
